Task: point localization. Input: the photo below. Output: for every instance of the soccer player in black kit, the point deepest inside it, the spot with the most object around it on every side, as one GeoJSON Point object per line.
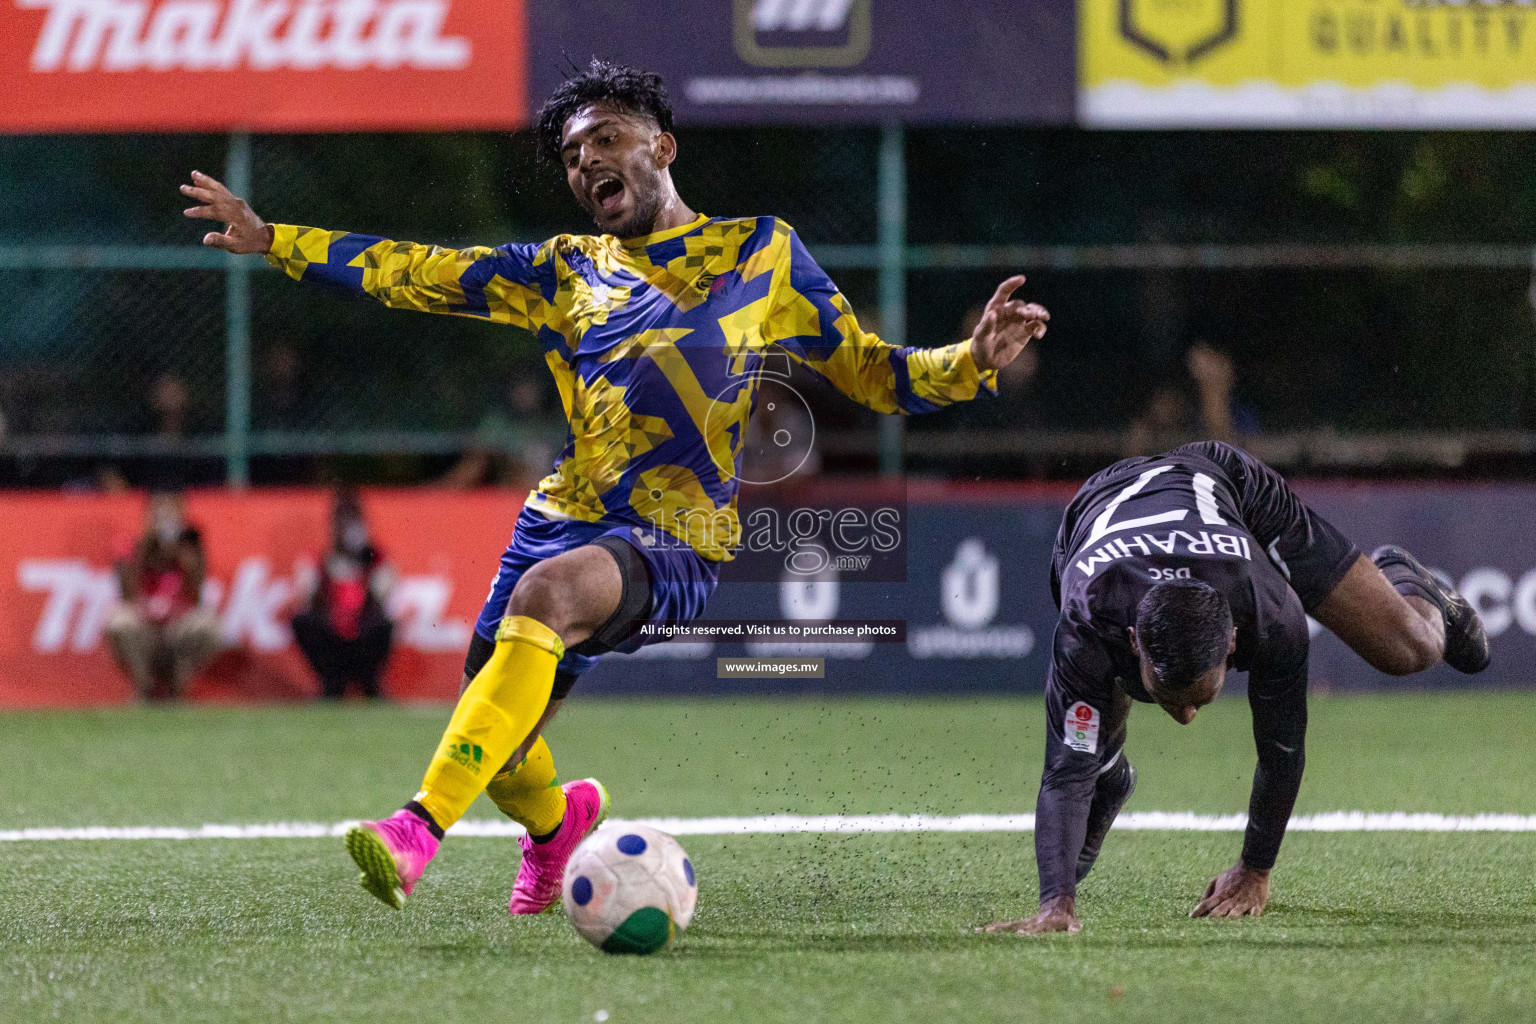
{"type": "Point", "coordinates": [1169, 571]}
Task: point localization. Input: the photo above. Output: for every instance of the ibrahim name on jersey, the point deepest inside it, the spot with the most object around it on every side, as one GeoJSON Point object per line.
{"type": "Point", "coordinates": [1204, 511]}
{"type": "Point", "coordinates": [1208, 512]}
{"type": "Point", "coordinates": [657, 345]}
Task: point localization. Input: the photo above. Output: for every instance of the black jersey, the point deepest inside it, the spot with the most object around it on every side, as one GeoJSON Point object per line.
{"type": "Point", "coordinates": [1208, 512]}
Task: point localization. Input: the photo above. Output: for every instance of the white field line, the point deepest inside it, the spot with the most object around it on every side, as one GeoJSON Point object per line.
{"type": "Point", "coordinates": [781, 824]}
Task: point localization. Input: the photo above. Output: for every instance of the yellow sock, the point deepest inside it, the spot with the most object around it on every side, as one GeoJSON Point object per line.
{"type": "Point", "coordinates": [495, 714]}
{"type": "Point", "coordinates": [530, 794]}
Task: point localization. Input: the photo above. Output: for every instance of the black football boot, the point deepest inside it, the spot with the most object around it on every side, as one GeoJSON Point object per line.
{"type": "Point", "coordinates": [1466, 644]}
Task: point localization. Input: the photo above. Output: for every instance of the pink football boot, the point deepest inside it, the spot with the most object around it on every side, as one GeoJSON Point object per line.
{"type": "Point", "coordinates": [542, 874]}
{"type": "Point", "coordinates": [393, 853]}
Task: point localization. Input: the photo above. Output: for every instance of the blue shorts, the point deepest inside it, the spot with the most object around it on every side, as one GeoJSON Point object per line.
{"type": "Point", "coordinates": [681, 580]}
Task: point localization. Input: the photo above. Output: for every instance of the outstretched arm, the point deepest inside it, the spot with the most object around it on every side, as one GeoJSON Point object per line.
{"type": "Point", "coordinates": [1279, 732]}
{"type": "Point", "coordinates": [1084, 738]}
{"type": "Point", "coordinates": [507, 284]}
{"type": "Point", "coordinates": [1061, 829]}
{"type": "Point", "coordinates": [810, 320]}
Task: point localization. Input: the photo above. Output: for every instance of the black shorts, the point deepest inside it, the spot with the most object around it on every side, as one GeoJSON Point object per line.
{"type": "Point", "coordinates": [634, 608]}
{"type": "Point", "coordinates": [1311, 552]}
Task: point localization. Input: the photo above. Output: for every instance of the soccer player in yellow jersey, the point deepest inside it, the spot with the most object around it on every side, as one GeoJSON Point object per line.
{"type": "Point", "coordinates": [656, 330]}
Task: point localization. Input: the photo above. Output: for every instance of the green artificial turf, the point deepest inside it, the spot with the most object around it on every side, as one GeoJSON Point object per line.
{"type": "Point", "coordinates": [876, 927]}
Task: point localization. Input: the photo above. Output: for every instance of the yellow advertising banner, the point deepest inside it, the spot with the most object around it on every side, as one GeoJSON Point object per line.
{"type": "Point", "coordinates": [1317, 63]}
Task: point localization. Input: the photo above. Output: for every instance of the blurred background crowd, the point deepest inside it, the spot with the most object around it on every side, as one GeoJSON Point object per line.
{"type": "Point", "coordinates": [1344, 302]}
{"type": "Point", "coordinates": [1334, 271]}
{"type": "Point", "coordinates": [162, 629]}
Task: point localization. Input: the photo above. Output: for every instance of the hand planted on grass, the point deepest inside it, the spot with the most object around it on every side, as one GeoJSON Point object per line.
{"type": "Point", "coordinates": [1240, 891]}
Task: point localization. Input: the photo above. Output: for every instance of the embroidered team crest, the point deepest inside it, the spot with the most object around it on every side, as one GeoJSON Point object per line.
{"type": "Point", "coordinates": [1082, 728]}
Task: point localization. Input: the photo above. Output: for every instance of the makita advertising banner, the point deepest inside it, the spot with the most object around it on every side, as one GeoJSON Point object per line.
{"type": "Point", "coordinates": [742, 61]}
{"type": "Point", "coordinates": [58, 590]}
{"type": "Point", "coordinates": [974, 614]}
{"type": "Point", "coordinates": [262, 65]}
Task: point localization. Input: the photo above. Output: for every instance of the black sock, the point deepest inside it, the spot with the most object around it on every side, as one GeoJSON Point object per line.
{"type": "Point", "coordinates": [426, 816]}
{"type": "Point", "coordinates": [546, 837]}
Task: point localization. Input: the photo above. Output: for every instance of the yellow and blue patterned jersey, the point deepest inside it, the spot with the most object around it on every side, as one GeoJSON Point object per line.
{"type": "Point", "coordinates": [657, 345]}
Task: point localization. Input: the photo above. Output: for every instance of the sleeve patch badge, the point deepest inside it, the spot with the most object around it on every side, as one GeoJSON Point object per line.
{"type": "Point", "coordinates": [1082, 730]}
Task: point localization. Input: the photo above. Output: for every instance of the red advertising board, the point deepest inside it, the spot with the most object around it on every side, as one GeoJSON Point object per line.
{"type": "Point", "coordinates": [262, 65]}
{"type": "Point", "coordinates": [57, 588]}
{"type": "Point", "coordinates": [976, 604]}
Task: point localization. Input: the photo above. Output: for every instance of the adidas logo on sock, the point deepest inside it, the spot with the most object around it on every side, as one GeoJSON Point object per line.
{"type": "Point", "coordinates": [466, 754]}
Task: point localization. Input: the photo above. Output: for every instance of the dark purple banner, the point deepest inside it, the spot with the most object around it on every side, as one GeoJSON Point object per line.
{"type": "Point", "coordinates": [744, 61]}
{"type": "Point", "coordinates": [1478, 536]}
{"type": "Point", "coordinates": [979, 617]}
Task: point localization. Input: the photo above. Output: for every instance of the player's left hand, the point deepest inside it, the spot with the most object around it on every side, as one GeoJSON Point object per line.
{"type": "Point", "coordinates": [1006, 326]}
{"type": "Point", "coordinates": [1239, 891]}
{"type": "Point", "coordinates": [244, 232]}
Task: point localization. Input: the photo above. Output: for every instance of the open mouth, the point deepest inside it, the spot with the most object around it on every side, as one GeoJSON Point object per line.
{"type": "Point", "coordinates": [608, 195]}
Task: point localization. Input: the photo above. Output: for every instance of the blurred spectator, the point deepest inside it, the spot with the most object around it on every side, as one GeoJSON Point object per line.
{"type": "Point", "coordinates": [1015, 382]}
{"type": "Point", "coordinates": [278, 400]}
{"type": "Point", "coordinates": [282, 400]}
{"type": "Point", "coordinates": [1169, 419]}
{"type": "Point", "coordinates": [479, 466]}
{"type": "Point", "coordinates": [1162, 299]}
{"type": "Point", "coordinates": [343, 630]}
{"type": "Point", "coordinates": [780, 446]}
{"type": "Point", "coordinates": [160, 633]}
{"type": "Point", "coordinates": [102, 478]}
{"type": "Point", "coordinates": [1017, 404]}
{"type": "Point", "coordinates": [169, 416]}
{"type": "Point", "coordinates": [1165, 422]}
{"type": "Point", "coordinates": [514, 446]}
{"type": "Point", "coordinates": [44, 399]}
{"type": "Point", "coordinates": [1214, 378]}
{"type": "Point", "coordinates": [169, 404]}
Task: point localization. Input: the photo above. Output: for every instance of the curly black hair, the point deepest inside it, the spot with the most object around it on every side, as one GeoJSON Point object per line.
{"type": "Point", "coordinates": [628, 89]}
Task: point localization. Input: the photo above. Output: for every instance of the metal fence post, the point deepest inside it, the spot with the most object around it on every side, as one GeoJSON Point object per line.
{"type": "Point", "coordinates": [237, 329]}
{"type": "Point", "coordinates": [891, 181]}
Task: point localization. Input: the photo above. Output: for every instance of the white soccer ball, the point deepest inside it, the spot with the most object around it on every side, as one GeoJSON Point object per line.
{"type": "Point", "coordinates": [629, 888]}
